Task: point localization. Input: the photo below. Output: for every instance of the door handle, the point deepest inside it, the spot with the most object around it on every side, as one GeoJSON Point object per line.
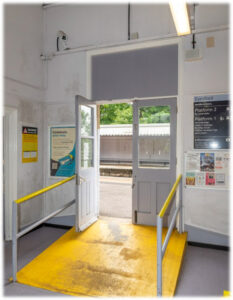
{"type": "Point", "coordinates": [79, 180]}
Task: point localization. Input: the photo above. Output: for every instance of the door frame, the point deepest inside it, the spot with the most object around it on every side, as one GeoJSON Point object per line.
{"type": "Point", "coordinates": [10, 171]}
{"type": "Point", "coordinates": [180, 95]}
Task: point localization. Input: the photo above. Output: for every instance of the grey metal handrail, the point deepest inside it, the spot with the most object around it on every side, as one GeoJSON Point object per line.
{"type": "Point", "coordinates": [16, 235]}
{"type": "Point", "coordinates": [161, 247]}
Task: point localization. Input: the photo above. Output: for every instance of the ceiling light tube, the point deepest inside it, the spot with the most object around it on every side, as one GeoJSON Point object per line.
{"type": "Point", "coordinates": [180, 17]}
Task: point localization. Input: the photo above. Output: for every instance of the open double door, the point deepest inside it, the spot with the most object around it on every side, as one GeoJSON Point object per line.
{"type": "Point", "coordinates": [154, 159]}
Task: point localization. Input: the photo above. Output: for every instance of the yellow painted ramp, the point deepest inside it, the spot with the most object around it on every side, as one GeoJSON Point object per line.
{"type": "Point", "coordinates": [110, 258]}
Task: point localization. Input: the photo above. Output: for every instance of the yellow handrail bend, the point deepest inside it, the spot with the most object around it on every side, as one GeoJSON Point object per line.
{"type": "Point", "coordinates": [161, 246]}
{"type": "Point", "coordinates": [169, 197]}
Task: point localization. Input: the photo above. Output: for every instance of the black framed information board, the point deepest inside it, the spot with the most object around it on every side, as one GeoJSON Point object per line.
{"type": "Point", "coordinates": [212, 122]}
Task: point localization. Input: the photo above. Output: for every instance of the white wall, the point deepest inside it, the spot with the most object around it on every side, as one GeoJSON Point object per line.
{"type": "Point", "coordinates": [99, 24]}
{"type": "Point", "coordinates": [85, 24]}
{"type": "Point", "coordinates": [29, 82]}
{"type": "Point", "coordinates": [102, 24]}
{"type": "Point", "coordinates": [23, 79]}
{"type": "Point", "coordinates": [66, 78]}
{"type": "Point", "coordinates": [23, 44]}
{"type": "Point", "coordinates": [206, 209]}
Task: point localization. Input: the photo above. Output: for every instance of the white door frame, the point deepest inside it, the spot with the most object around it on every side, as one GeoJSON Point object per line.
{"type": "Point", "coordinates": [179, 96]}
{"type": "Point", "coordinates": [10, 166]}
{"type": "Point", "coordinates": [86, 177]}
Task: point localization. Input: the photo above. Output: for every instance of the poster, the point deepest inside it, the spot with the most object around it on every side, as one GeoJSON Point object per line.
{"type": "Point", "coordinates": [210, 178]}
{"type": "Point", "coordinates": [220, 179]}
{"type": "Point", "coordinates": [193, 161]}
{"type": "Point", "coordinates": [29, 144]}
{"type": "Point", "coordinates": [207, 162]}
{"type": "Point", "coordinates": [200, 179]}
{"type": "Point", "coordinates": [212, 122]}
{"type": "Point", "coordinates": [62, 151]}
{"type": "Point", "coordinates": [207, 169]}
{"type": "Point", "coordinates": [190, 178]}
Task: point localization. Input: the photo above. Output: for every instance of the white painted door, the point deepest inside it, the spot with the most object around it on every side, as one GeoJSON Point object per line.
{"type": "Point", "coordinates": [154, 157]}
{"type": "Point", "coordinates": [86, 163]}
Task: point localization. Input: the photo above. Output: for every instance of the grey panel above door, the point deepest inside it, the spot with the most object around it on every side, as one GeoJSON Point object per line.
{"type": "Point", "coordinates": [147, 72]}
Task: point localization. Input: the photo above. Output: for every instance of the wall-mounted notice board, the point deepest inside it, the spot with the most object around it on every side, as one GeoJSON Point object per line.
{"type": "Point", "coordinates": [29, 144]}
{"type": "Point", "coordinates": [62, 151]}
{"type": "Point", "coordinates": [212, 122]}
{"type": "Point", "coordinates": [207, 169]}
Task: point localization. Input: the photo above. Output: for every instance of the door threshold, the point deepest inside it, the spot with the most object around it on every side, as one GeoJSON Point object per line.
{"type": "Point", "coordinates": [116, 219]}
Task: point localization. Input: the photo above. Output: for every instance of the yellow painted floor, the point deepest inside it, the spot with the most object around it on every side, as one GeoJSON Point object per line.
{"type": "Point", "coordinates": [110, 258]}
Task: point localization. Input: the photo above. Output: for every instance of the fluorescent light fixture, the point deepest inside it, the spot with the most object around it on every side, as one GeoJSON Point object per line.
{"type": "Point", "coordinates": [180, 17]}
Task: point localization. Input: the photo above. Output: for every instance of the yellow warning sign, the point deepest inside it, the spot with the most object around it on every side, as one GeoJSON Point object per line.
{"type": "Point", "coordinates": [29, 144]}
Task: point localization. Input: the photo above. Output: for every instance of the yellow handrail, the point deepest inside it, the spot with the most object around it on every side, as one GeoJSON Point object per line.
{"type": "Point", "coordinates": [48, 188]}
{"type": "Point", "coordinates": [169, 197]}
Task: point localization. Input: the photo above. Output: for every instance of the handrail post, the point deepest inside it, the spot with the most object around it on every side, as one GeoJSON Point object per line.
{"type": "Point", "coordinates": [181, 206]}
{"type": "Point", "coordinates": [16, 235]}
{"type": "Point", "coordinates": [159, 255]}
{"type": "Point", "coordinates": [14, 240]}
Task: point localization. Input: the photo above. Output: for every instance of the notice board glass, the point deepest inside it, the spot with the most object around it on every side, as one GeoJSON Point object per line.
{"type": "Point", "coordinates": [212, 122]}
{"type": "Point", "coordinates": [62, 151]}
{"type": "Point", "coordinates": [209, 169]}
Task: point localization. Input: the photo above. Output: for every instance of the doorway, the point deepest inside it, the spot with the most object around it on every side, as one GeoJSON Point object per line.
{"type": "Point", "coordinates": [115, 159]}
{"type": "Point", "coordinates": [153, 161]}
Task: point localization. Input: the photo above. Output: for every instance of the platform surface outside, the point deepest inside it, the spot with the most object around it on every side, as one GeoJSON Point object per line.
{"type": "Point", "coordinates": [110, 258]}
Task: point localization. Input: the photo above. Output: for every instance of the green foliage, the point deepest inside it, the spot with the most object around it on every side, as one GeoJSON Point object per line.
{"type": "Point", "coordinates": [154, 114]}
{"type": "Point", "coordinates": [123, 114]}
{"type": "Point", "coordinates": [116, 114]}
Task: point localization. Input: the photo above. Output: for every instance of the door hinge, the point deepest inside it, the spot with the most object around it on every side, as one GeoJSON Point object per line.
{"type": "Point", "coordinates": [79, 179]}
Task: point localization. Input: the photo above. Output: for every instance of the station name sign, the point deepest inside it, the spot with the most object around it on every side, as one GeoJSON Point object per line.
{"type": "Point", "coordinates": [212, 122]}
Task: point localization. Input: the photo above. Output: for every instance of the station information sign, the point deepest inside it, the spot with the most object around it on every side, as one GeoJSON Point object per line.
{"type": "Point", "coordinates": [212, 122]}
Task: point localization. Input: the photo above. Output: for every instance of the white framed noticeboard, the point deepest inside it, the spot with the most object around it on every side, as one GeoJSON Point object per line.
{"type": "Point", "coordinates": [207, 169]}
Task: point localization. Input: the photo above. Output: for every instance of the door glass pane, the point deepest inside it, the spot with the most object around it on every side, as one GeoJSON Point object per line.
{"type": "Point", "coordinates": [86, 121]}
{"type": "Point", "coordinates": [154, 137]}
{"type": "Point", "coordinates": [86, 153]}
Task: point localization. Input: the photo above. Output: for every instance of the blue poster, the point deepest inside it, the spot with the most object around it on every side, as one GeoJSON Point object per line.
{"type": "Point", "coordinates": [62, 151]}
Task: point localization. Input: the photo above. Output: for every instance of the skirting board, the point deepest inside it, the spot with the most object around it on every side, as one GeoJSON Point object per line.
{"type": "Point", "coordinates": [206, 237]}
{"type": "Point", "coordinates": [63, 221]}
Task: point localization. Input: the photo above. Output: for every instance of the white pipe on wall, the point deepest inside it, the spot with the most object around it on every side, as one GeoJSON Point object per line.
{"type": "Point", "coordinates": [128, 42]}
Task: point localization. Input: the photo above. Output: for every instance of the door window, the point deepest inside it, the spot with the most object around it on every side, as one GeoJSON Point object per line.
{"type": "Point", "coordinates": [87, 137]}
{"type": "Point", "coordinates": [154, 137]}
